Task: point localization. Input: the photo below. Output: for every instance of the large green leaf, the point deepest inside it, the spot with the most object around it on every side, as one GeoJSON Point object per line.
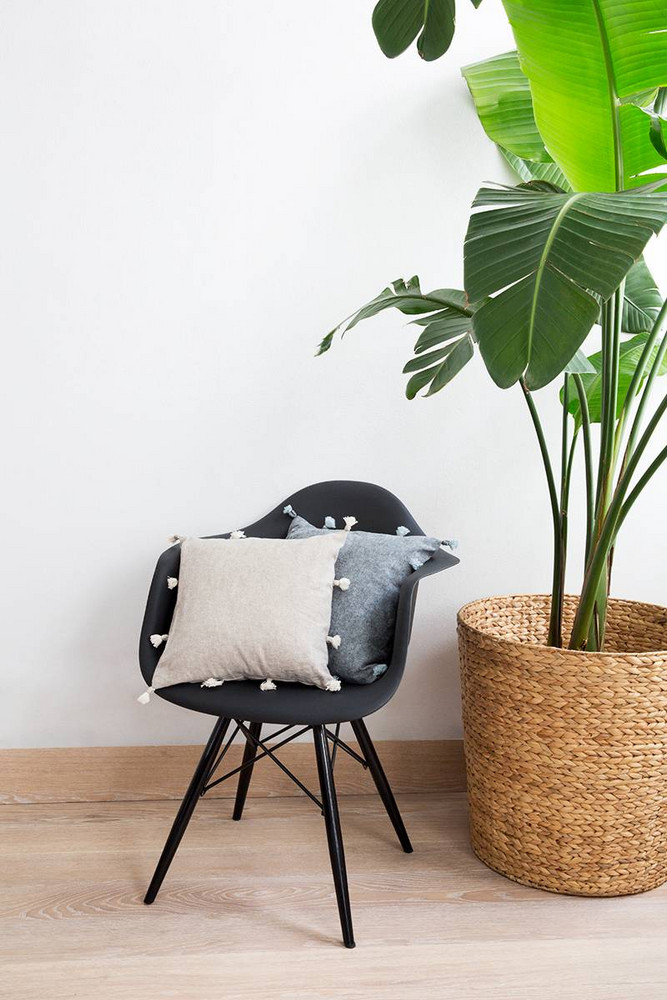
{"type": "Point", "coordinates": [548, 258]}
{"type": "Point", "coordinates": [501, 93]}
{"type": "Point", "coordinates": [630, 353]}
{"type": "Point", "coordinates": [398, 22]}
{"type": "Point", "coordinates": [586, 60]}
{"type": "Point", "coordinates": [642, 299]}
{"type": "Point", "coordinates": [406, 296]}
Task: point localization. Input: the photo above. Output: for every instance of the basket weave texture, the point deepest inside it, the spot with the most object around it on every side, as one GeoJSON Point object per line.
{"type": "Point", "coordinates": [566, 752]}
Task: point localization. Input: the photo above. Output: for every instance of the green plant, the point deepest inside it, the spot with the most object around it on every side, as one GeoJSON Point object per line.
{"type": "Point", "coordinates": [578, 112]}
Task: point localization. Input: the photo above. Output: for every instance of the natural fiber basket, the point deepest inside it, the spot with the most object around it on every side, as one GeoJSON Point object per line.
{"type": "Point", "coordinates": [566, 752]}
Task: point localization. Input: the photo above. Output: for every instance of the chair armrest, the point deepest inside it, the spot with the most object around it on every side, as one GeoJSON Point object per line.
{"type": "Point", "coordinates": [406, 605]}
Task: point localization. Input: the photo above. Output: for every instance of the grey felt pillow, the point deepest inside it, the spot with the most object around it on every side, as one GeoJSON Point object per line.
{"type": "Point", "coordinates": [364, 614]}
{"type": "Point", "coordinates": [251, 608]}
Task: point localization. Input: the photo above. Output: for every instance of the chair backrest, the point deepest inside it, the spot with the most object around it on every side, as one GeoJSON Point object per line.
{"type": "Point", "coordinates": [375, 509]}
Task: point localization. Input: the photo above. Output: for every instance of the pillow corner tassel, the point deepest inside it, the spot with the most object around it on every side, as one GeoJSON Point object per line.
{"type": "Point", "coordinates": [402, 530]}
{"type": "Point", "coordinates": [329, 522]}
{"type": "Point", "coordinates": [156, 639]}
{"type": "Point", "coordinates": [349, 523]}
{"type": "Point", "coordinates": [144, 698]}
{"type": "Point", "coordinates": [342, 584]}
{"type": "Point", "coordinates": [267, 685]}
{"type": "Point", "coordinates": [333, 685]}
{"type": "Point", "coordinates": [289, 510]}
{"type": "Point", "coordinates": [334, 641]}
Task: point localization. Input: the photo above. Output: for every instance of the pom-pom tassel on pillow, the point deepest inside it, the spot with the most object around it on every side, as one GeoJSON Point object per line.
{"type": "Point", "coordinates": [212, 682]}
{"type": "Point", "coordinates": [402, 530]}
{"type": "Point", "coordinates": [267, 685]}
{"type": "Point", "coordinates": [329, 522]}
{"type": "Point", "coordinates": [175, 539]}
{"type": "Point", "coordinates": [342, 584]}
{"type": "Point", "coordinates": [157, 640]}
{"type": "Point", "coordinates": [350, 522]}
{"type": "Point", "coordinates": [334, 640]}
{"type": "Point", "coordinates": [237, 534]}
{"type": "Point", "coordinates": [451, 543]}
{"type": "Point", "coordinates": [172, 582]}
{"type": "Point", "coordinates": [289, 510]}
{"type": "Point", "coordinates": [333, 684]}
{"type": "Point", "coordinates": [144, 698]}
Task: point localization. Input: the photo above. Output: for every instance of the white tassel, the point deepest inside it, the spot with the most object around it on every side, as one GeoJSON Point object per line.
{"type": "Point", "coordinates": [289, 510]}
{"type": "Point", "coordinates": [402, 530]}
{"type": "Point", "coordinates": [157, 640]}
{"type": "Point", "coordinates": [329, 522]}
{"type": "Point", "coordinates": [333, 684]}
{"type": "Point", "coordinates": [451, 543]}
{"type": "Point", "coordinates": [237, 534]}
{"type": "Point", "coordinates": [172, 582]}
{"type": "Point", "coordinates": [343, 583]}
{"type": "Point", "coordinates": [267, 685]}
{"type": "Point", "coordinates": [144, 698]}
{"type": "Point", "coordinates": [350, 523]}
{"type": "Point", "coordinates": [334, 640]}
{"type": "Point", "coordinates": [212, 682]}
{"type": "Point", "coordinates": [175, 539]}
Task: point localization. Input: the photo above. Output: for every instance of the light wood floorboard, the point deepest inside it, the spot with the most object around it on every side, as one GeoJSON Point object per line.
{"type": "Point", "coordinates": [247, 911]}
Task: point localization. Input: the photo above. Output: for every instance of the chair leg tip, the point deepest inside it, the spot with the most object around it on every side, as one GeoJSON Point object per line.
{"type": "Point", "coordinates": [409, 849]}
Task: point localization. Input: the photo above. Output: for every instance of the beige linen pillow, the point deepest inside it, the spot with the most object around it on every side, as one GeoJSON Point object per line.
{"type": "Point", "coordinates": [251, 608]}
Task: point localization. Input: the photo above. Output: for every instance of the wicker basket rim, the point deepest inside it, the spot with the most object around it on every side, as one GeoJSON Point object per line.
{"type": "Point", "coordinates": [611, 654]}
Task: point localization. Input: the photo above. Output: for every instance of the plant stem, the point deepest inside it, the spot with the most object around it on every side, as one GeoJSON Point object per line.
{"type": "Point", "coordinates": [638, 374]}
{"type": "Point", "coordinates": [610, 526]}
{"type": "Point", "coordinates": [554, 638]}
{"type": "Point", "coordinates": [612, 311]}
{"type": "Point", "coordinates": [588, 461]}
{"type": "Point", "coordinates": [653, 373]}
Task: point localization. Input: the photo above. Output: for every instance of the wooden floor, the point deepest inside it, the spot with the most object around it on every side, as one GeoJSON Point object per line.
{"type": "Point", "coordinates": [247, 911]}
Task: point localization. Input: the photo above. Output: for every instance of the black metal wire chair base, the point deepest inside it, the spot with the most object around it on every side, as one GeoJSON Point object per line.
{"type": "Point", "coordinates": [257, 749]}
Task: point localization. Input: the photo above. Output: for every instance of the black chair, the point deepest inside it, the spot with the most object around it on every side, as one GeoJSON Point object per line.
{"type": "Point", "coordinates": [293, 705]}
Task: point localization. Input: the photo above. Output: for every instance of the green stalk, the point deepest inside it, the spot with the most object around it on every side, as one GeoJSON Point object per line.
{"type": "Point", "coordinates": [597, 563]}
{"type": "Point", "coordinates": [653, 373]}
{"type": "Point", "coordinates": [611, 341]}
{"type": "Point", "coordinates": [554, 637]}
{"type": "Point", "coordinates": [638, 376]}
{"type": "Point", "coordinates": [588, 461]}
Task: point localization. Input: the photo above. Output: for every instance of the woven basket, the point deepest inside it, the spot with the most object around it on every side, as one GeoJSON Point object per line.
{"type": "Point", "coordinates": [566, 752]}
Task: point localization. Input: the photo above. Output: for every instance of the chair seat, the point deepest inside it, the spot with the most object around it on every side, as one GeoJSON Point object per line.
{"type": "Point", "coordinates": [289, 703]}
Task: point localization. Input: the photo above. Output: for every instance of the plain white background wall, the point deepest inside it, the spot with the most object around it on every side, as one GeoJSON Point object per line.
{"type": "Point", "coordinates": [193, 193]}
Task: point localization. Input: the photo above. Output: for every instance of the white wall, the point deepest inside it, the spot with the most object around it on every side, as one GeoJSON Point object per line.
{"type": "Point", "coordinates": [193, 193]}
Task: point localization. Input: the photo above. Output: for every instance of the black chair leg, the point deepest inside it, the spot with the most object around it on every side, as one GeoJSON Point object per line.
{"type": "Point", "coordinates": [381, 783]}
{"type": "Point", "coordinates": [249, 755]}
{"type": "Point", "coordinates": [334, 838]}
{"type": "Point", "coordinates": [187, 807]}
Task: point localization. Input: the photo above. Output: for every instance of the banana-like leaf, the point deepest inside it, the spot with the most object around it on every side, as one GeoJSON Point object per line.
{"type": "Point", "coordinates": [501, 93]}
{"type": "Point", "coordinates": [579, 365]}
{"type": "Point", "coordinates": [504, 104]}
{"type": "Point", "coordinates": [548, 258]}
{"type": "Point", "coordinates": [406, 296]}
{"type": "Point", "coordinates": [532, 170]}
{"type": "Point", "coordinates": [586, 60]}
{"type": "Point", "coordinates": [630, 353]}
{"type": "Point", "coordinates": [448, 363]}
{"type": "Point", "coordinates": [642, 299]}
{"type": "Point", "coordinates": [397, 23]}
